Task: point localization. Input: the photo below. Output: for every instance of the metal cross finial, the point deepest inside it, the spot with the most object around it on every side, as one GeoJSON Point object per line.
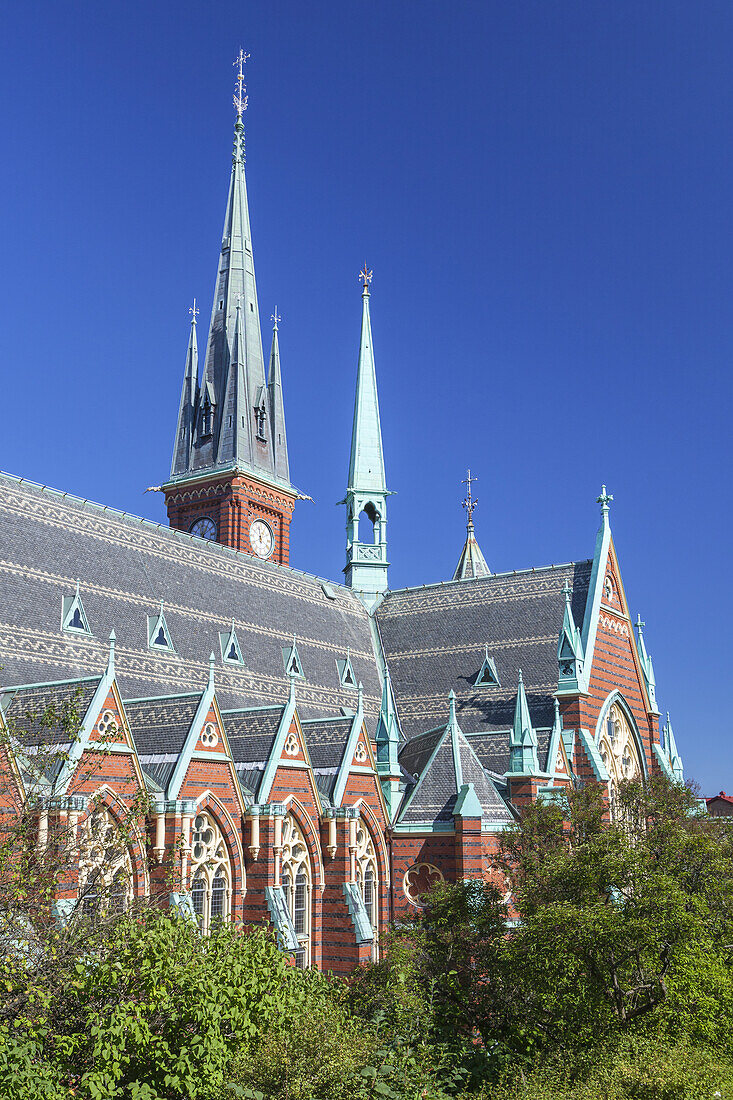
{"type": "Point", "coordinates": [194, 312]}
{"type": "Point", "coordinates": [567, 590]}
{"type": "Point", "coordinates": [604, 499]}
{"type": "Point", "coordinates": [640, 624]}
{"type": "Point", "coordinates": [469, 503]}
{"type": "Point", "coordinates": [365, 276]}
{"type": "Point", "coordinates": [275, 318]}
{"type": "Point", "coordinates": [240, 97]}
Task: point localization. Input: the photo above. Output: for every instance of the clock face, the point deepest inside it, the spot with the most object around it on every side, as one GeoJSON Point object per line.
{"type": "Point", "coordinates": [261, 538]}
{"type": "Point", "coordinates": [204, 528]}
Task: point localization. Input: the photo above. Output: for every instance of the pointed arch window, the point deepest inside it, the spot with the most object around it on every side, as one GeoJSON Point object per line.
{"type": "Point", "coordinates": [296, 879]}
{"type": "Point", "coordinates": [619, 753]}
{"type": "Point", "coordinates": [105, 867]}
{"type": "Point", "coordinates": [211, 873]}
{"type": "Point", "coordinates": [231, 651]}
{"type": "Point", "coordinates": [73, 615]}
{"type": "Point", "coordinates": [367, 879]}
{"type": "Point", "coordinates": [158, 633]}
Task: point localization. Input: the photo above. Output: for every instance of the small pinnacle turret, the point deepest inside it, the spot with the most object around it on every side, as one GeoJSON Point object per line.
{"type": "Point", "coordinates": [471, 563]}
{"type": "Point", "coordinates": [277, 407]}
{"type": "Point", "coordinates": [366, 494]}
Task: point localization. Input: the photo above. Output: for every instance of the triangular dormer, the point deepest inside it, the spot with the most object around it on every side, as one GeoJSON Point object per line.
{"type": "Point", "coordinates": [487, 675]}
{"type": "Point", "coordinates": [231, 651]}
{"type": "Point", "coordinates": [158, 634]}
{"type": "Point", "coordinates": [345, 668]}
{"type": "Point", "coordinates": [292, 663]}
{"type": "Point", "coordinates": [73, 616]}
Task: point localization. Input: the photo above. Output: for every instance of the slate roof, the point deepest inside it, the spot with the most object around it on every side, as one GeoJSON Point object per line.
{"type": "Point", "coordinates": [326, 740]}
{"type": "Point", "coordinates": [251, 734]}
{"type": "Point", "coordinates": [434, 639]}
{"type": "Point", "coordinates": [160, 726]}
{"type": "Point", "coordinates": [492, 749]}
{"type": "Point", "coordinates": [434, 795]}
{"type": "Point", "coordinates": [27, 709]}
{"type": "Point", "coordinates": [126, 566]}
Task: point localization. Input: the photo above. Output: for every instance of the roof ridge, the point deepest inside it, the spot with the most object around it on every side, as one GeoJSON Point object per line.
{"type": "Point", "coordinates": [202, 544]}
{"type": "Point", "coordinates": [476, 581]}
{"type": "Point", "coordinates": [52, 683]}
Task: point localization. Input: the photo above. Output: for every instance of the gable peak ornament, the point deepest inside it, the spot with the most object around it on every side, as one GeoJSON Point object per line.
{"type": "Point", "coordinates": [365, 277]}
{"type": "Point", "coordinates": [469, 503]}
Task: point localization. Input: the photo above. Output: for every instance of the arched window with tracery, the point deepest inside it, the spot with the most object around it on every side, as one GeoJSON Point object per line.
{"type": "Point", "coordinates": [619, 752]}
{"type": "Point", "coordinates": [105, 866]}
{"type": "Point", "coordinates": [367, 878]}
{"type": "Point", "coordinates": [211, 873]}
{"type": "Point", "coordinates": [296, 880]}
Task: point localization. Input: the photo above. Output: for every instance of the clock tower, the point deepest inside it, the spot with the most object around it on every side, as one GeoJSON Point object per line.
{"type": "Point", "coordinates": [230, 478]}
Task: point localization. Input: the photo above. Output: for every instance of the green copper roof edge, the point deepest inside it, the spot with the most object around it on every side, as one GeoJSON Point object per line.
{"type": "Point", "coordinates": [181, 766]}
{"type": "Point", "coordinates": [51, 683]}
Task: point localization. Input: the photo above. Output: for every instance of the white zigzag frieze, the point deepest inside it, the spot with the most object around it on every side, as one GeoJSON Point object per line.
{"type": "Point", "coordinates": [475, 648]}
{"type": "Point", "coordinates": [475, 594]}
{"type": "Point", "coordinates": [219, 622]}
{"type": "Point", "coordinates": [75, 519]}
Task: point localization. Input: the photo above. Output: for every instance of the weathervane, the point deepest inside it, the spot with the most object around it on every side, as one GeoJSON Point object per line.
{"type": "Point", "coordinates": [194, 312]}
{"type": "Point", "coordinates": [469, 503]}
{"type": "Point", "coordinates": [275, 318]}
{"type": "Point", "coordinates": [365, 276]}
{"type": "Point", "coordinates": [240, 97]}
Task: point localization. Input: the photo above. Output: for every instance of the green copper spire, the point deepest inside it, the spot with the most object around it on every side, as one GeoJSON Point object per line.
{"type": "Point", "coordinates": [233, 417]}
{"type": "Point", "coordinates": [523, 739]}
{"type": "Point", "coordinates": [277, 408]}
{"type": "Point", "coordinates": [646, 665]}
{"type": "Point", "coordinates": [366, 558]}
{"type": "Point", "coordinates": [189, 400]}
{"type": "Point", "coordinates": [569, 651]}
{"type": "Point", "coordinates": [387, 738]}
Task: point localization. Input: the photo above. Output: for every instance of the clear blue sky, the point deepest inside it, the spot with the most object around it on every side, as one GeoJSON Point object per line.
{"type": "Point", "coordinates": [545, 194]}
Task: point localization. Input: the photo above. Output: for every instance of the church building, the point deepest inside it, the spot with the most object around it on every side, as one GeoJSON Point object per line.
{"type": "Point", "coordinates": [308, 752]}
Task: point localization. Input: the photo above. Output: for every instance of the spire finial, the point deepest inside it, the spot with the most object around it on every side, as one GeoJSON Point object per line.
{"type": "Point", "coordinates": [640, 624]}
{"type": "Point", "coordinates": [212, 662]}
{"type": "Point", "coordinates": [365, 276]}
{"type": "Point", "coordinates": [240, 95]}
{"type": "Point", "coordinates": [567, 590]}
{"type": "Point", "coordinates": [276, 319]}
{"type": "Point", "coordinates": [194, 311]}
{"type": "Point", "coordinates": [112, 639]}
{"type": "Point", "coordinates": [604, 500]}
{"type": "Point", "coordinates": [469, 503]}
{"type": "Point", "coordinates": [452, 706]}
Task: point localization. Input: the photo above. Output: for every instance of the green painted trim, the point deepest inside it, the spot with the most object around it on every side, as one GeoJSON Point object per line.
{"type": "Point", "coordinates": [349, 750]}
{"type": "Point", "coordinates": [268, 776]}
{"type": "Point", "coordinates": [179, 772]}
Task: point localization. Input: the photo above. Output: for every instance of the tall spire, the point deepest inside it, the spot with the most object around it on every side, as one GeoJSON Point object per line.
{"type": "Point", "coordinates": [366, 559]}
{"type": "Point", "coordinates": [189, 400]}
{"type": "Point", "coordinates": [366, 466]}
{"type": "Point", "coordinates": [277, 407]}
{"type": "Point", "coordinates": [235, 432]}
{"type": "Point", "coordinates": [471, 563]}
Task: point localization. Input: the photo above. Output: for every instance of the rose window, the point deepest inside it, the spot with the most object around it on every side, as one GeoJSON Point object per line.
{"type": "Point", "coordinates": [210, 736]}
{"type": "Point", "coordinates": [107, 723]}
{"type": "Point", "coordinates": [419, 880]}
{"type": "Point", "coordinates": [211, 874]}
{"type": "Point", "coordinates": [291, 745]}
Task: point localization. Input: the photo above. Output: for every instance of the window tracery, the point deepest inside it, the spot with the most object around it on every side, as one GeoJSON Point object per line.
{"type": "Point", "coordinates": [619, 752]}
{"type": "Point", "coordinates": [211, 873]}
{"type": "Point", "coordinates": [367, 878]}
{"type": "Point", "coordinates": [105, 866]}
{"type": "Point", "coordinates": [296, 879]}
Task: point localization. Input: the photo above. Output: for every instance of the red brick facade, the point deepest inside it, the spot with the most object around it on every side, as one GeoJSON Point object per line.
{"type": "Point", "coordinates": [233, 502]}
